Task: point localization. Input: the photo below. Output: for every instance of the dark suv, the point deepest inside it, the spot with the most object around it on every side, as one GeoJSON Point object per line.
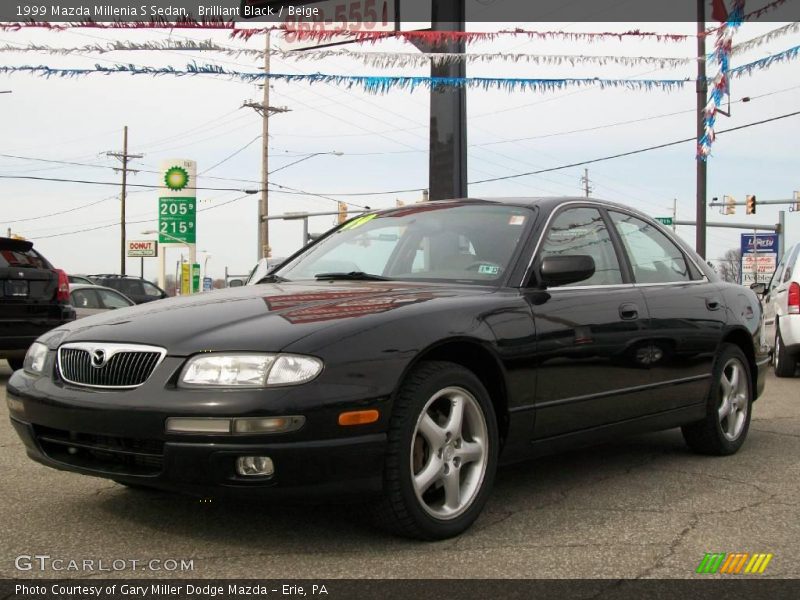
{"type": "Point", "coordinates": [137, 289]}
{"type": "Point", "coordinates": [34, 298]}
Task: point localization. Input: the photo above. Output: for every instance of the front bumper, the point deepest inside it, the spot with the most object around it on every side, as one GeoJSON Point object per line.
{"type": "Point", "coordinates": [120, 435]}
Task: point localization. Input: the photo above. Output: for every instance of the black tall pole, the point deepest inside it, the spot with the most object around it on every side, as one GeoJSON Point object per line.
{"type": "Point", "coordinates": [447, 174]}
{"type": "Point", "coordinates": [702, 99]}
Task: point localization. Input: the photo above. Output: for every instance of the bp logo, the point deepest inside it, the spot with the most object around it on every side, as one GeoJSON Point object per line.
{"type": "Point", "coordinates": [176, 178]}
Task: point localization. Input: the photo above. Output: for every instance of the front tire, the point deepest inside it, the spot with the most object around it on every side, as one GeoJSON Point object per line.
{"type": "Point", "coordinates": [441, 454]}
{"type": "Point", "coordinates": [727, 421]}
{"type": "Point", "coordinates": [784, 364]}
{"type": "Point", "coordinates": [15, 363]}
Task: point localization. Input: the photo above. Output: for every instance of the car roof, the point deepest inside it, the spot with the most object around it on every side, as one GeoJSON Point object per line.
{"type": "Point", "coordinates": [544, 202]}
{"type": "Point", "coordinates": [85, 286]}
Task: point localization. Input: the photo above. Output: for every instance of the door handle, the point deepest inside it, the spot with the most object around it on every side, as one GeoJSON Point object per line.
{"type": "Point", "coordinates": [713, 303]}
{"type": "Point", "coordinates": [628, 311]}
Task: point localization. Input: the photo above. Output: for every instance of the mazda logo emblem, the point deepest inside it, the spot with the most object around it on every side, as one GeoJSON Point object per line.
{"type": "Point", "coordinates": [99, 359]}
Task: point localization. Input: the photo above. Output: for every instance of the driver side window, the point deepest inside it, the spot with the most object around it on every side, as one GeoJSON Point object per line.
{"type": "Point", "coordinates": [582, 231]}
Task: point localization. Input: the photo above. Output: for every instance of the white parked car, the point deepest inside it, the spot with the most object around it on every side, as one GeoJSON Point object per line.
{"type": "Point", "coordinates": [781, 302]}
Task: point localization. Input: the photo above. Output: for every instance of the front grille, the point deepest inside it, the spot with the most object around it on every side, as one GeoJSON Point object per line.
{"type": "Point", "coordinates": [108, 365]}
{"type": "Point", "coordinates": [126, 456]}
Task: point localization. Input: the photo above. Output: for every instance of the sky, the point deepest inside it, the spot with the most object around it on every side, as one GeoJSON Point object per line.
{"type": "Point", "coordinates": [383, 140]}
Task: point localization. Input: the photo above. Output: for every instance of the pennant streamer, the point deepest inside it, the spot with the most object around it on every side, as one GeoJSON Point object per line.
{"type": "Point", "coordinates": [371, 84]}
{"type": "Point", "coordinates": [765, 38]}
{"type": "Point", "coordinates": [320, 35]}
{"type": "Point", "coordinates": [378, 84]}
{"type": "Point", "coordinates": [719, 84]}
{"type": "Point", "coordinates": [372, 59]}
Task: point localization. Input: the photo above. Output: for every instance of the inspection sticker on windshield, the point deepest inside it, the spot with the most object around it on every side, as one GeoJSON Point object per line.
{"type": "Point", "coordinates": [359, 221]}
{"type": "Point", "coordinates": [516, 220]}
{"type": "Point", "coordinates": [488, 269]}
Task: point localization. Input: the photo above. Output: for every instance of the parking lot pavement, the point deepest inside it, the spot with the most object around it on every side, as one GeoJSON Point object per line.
{"type": "Point", "coordinates": [640, 507]}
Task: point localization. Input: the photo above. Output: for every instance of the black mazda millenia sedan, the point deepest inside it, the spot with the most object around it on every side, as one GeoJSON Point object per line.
{"type": "Point", "coordinates": [402, 357]}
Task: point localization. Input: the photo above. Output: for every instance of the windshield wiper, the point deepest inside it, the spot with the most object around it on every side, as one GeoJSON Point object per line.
{"type": "Point", "coordinates": [272, 279]}
{"type": "Point", "coordinates": [352, 275]}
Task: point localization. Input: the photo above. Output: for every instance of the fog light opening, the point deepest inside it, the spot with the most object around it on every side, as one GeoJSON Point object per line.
{"type": "Point", "coordinates": [254, 466]}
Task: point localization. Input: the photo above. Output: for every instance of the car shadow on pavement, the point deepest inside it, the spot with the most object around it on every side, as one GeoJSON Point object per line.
{"type": "Point", "coordinates": [245, 523]}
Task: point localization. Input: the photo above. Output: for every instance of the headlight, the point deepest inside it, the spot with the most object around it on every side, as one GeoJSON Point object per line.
{"type": "Point", "coordinates": [34, 359]}
{"type": "Point", "coordinates": [249, 370]}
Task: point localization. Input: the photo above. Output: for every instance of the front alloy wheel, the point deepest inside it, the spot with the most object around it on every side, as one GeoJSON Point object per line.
{"type": "Point", "coordinates": [448, 455]}
{"type": "Point", "coordinates": [441, 454]}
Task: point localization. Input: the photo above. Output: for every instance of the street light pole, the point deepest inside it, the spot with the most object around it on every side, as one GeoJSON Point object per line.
{"type": "Point", "coordinates": [702, 93]}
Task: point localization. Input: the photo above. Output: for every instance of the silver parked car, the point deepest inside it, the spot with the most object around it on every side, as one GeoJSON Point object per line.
{"type": "Point", "coordinates": [781, 302]}
{"type": "Point", "coordinates": [92, 299]}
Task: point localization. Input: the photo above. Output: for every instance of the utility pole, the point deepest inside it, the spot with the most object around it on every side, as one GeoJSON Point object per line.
{"type": "Point", "coordinates": [674, 213]}
{"type": "Point", "coordinates": [702, 99]}
{"type": "Point", "coordinates": [265, 110]}
{"type": "Point", "coordinates": [124, 157]}
{"type": "Point", "coordinates": [587, 190]}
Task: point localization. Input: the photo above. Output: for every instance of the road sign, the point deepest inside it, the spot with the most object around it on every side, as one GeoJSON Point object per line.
{"type": "Point", "coordinates": [664, 220]}
{"type": "Point", "coordinates": [186, 279]}
{"type": "Point", "coordinates": [208, 284]}
{"type": "Point", "coordinates": [177, 220]}
{"type": "Point", "coordinates": [323, 15]}
{"type": "Point", "coordinates": [144, 248]}
{"type": "Point", "coordinates": [757, 267]}
{"type": "Point", "coordinates": [195, 278]}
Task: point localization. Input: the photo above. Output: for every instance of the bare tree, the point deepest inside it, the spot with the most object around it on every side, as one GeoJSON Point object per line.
{"type": "Point", "coordinates": [728, 266]}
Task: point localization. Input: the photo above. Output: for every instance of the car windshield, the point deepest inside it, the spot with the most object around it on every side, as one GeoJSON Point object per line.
{"type": "Point", "coordinates": [465, 242]}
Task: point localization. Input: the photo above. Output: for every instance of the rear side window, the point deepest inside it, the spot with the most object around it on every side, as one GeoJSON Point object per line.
{"type": "Point", "coordinates": [130, 287]}
{"type": "Point", "coordinates": [85, 299]}
{"type": "Point", "coordinates": [791, 265]}
{"type": "Point", "coordinates": [23, 258]}
{"type": "Point", "coordinates": [654, 257]}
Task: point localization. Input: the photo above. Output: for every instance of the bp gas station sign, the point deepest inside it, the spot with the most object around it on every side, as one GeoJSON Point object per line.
{"type": "Point", "coordinates": [177, 204]}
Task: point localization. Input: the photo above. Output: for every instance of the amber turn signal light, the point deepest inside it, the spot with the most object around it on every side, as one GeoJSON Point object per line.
{"type": "Point", "coordinates": [358, 417]}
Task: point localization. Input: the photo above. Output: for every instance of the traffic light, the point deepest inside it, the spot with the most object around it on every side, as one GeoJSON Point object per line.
{"type": "Point", "coordinates": [342, 217]}
{"type": "Point", "coordinates": [730, 205]}
{"type": "Point", "coordinates": [750, 205]}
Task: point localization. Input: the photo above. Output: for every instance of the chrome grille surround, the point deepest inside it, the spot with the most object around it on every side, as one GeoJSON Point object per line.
{"type": "Point", "coordinates": [106, 365]}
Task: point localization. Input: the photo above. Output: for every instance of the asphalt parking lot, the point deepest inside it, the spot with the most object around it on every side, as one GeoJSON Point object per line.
{"type": "Point", "coordinates": [640, 507]}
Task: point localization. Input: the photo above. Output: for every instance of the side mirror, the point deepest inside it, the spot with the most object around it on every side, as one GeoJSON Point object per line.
{"type": "Point", "coordinates": [759, 288]}
{"type": "Point", "coordinates": [561, 270]}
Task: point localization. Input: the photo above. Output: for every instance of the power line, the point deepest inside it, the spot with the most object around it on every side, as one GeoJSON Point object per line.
{"type": "Point", "coordinates": [62, 212]}
{"type": "Point", "coordinates": [230, 156]}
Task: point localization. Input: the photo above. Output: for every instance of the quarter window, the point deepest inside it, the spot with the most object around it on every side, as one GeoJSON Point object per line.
{"type": "Point", "coordinates": [583, 231]}
{"type": "Point", "coordinates": [654, 258]}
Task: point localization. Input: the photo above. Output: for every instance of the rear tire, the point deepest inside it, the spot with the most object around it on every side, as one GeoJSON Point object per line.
{"type": "Point", "coordinates": [784, 364]}
{"type": "Point", "coordinates": [441, 453]}
{"type": "Point", "coordinates": [729, 406]}
{"type": "Point", "coordinates": [15, 363]}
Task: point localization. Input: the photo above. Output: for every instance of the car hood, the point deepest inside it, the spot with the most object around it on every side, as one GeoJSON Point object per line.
{"type": "Point", "coordinates": [265, 317]}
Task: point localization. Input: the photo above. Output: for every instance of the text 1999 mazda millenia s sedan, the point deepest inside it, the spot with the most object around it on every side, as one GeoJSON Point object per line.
{"type": "Point", "coordinates": [405, 354]}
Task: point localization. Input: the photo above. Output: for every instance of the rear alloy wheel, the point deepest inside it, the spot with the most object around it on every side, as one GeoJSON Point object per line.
{"type": "Point", "coordinates": [727, 422]}
{"type": "Point", "coordinates": [784, 364]}
{"type": "Point", "coordinates": [441, 455]}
